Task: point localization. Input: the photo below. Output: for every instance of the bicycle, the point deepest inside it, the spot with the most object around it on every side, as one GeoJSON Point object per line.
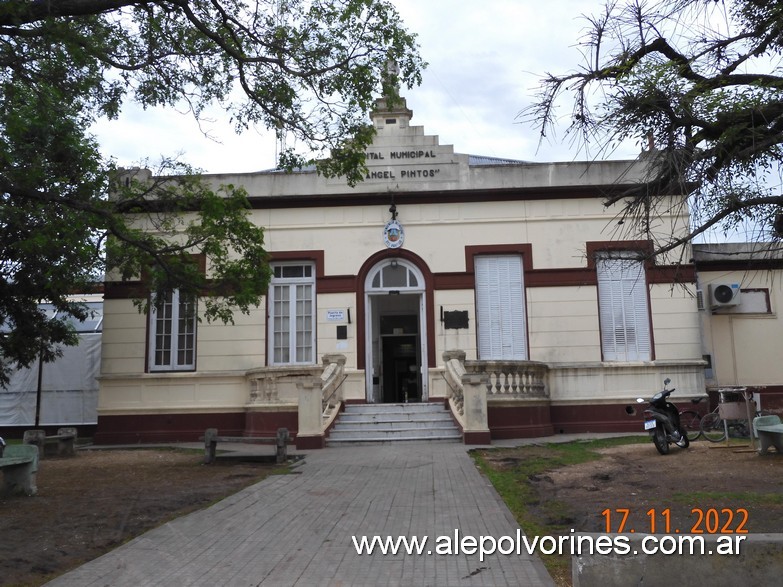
{"type": "Point", "coordinates": [690, 420]}
{"type": "Point", "coordinates": [713, 428]}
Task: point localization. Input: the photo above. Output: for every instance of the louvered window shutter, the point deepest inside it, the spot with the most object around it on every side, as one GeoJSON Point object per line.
{"type": "Point", "coordinates": [500, 300]}
{"type": "Point", "coordinates": [623, 308]}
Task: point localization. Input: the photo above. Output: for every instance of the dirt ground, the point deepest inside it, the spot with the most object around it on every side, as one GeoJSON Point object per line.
{"type": "Point", "coordinates": [93, 502]}
{"type": "Point", "coordinates": [90, 503]}
{"type": "Point", "coordinates": [706, 488]}
{"type": "Point", "coordinates": [686, 482]}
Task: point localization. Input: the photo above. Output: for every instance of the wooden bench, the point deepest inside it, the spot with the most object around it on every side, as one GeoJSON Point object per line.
{"type": "Point", "coordinates": [19, 464]}
{"type": "Point", "coordinates": [770, 433]}
{"type": "Point", "coordinates": [65, 441]}
{"type": "Point", "coordinates": [281, 441]}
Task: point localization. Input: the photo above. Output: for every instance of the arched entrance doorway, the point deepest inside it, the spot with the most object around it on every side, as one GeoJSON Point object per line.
{"type": "Point", "coordinates": [395, 333]}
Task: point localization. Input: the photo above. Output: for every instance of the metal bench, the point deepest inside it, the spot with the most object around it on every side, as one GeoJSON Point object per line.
{"type": "Point", "coordinates": [19, 464]}
{"type": "Point", "coordinates": [769, 431]}
{"type": "Point", "coordinates": [65, 440]}
{"type": "Point", "coordinates": [281, 441]}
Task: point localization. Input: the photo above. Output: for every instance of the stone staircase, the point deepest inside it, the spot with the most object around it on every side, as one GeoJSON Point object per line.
{"type": "Point", "coordinates": [370, 423]}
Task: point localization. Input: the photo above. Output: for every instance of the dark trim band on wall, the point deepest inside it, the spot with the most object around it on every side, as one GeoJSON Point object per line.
{"type": "Point", "coordinates": [549, 277]}
{"type": "Point", "coordinates": [438, 196]}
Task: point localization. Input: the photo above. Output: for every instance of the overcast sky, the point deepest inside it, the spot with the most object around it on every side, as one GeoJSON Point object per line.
{"type": "Point", "coordinates": [484, 62]}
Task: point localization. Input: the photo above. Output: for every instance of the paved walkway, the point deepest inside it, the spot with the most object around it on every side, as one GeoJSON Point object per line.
{"type": "Point", "coordinates": [296, 529]}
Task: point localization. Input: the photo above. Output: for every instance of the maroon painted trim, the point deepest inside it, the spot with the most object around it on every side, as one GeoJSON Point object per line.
{"type": "Point", "coordinates": [124, 290]}
{"type": "Point", "coordinates": [525, 250]}
{"type": "Point", "coordinates": [743, 265]}
{"type": "Point", "coordinates": [562, 277]}
{"type": "Point", "coordinates": [315, 256]}
{"type": "Point", "coordinates": [644, 247]}
{"type": "Point", "coordinates": [133, 429]}
{"type": "Point", "coordinates": [361, 278]}
{"type": "Point", "coordinates": [477, 437]}
{"type": "Point", "coordinates": [310, 442]}
{"type": "Point", "coordinates": [337, 284]}
{"type": "Point", "coordinates": [578, 418]}
{"type": "Point", "coordinates": [519, 421]}
{"type": "Point", "coordinates": [438, 196]}
{"type": "Point", "coordinates": [453, 280]}
{"type": "Point", "coordinates": [260, 423]}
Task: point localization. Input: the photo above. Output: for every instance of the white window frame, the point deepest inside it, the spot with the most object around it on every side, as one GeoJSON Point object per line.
{"type": "Point", "coordinates": [290, 343]}
{"type": "Point", "coordinates": [500, 308]}
{"type": "Point", "coordinates": [623, 307]}
{"type": "Point", "coordinates": [174, 350]}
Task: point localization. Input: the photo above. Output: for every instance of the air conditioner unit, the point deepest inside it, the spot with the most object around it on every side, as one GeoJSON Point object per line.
{"type": "Point", "coordinates": [724, 294]}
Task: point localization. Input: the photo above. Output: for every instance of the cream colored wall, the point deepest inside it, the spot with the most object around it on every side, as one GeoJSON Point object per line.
{"type": "Point", "coordinates": [562, 321]}
{"type": "Point", "coordinates": [124, 338]}
{"type": "Point", "coordinates": [223, 354]}
{"type": "Point", "coordinates": [676, 328]}
{"type": "Point", "coordinates": [219, 347]}
{"type": "Point", "coordinates": [623, 382]}
{"type": "Point", "coordinates": [454, 339]}
{"type": "Point", "coordinates": [171, 393]}
{"type": "Point", "coordinates": [745, 348]}
{"type": "Point", "coordinates": [563, 324]}
{"type": "Point", "coordinates": [438, 233]}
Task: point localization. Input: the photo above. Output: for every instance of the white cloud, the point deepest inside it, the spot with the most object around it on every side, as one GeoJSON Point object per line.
{"type": "Point", "coordinates": [485, 59]}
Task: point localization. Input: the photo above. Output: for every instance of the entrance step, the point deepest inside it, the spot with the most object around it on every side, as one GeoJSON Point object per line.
{"type": "Point", "coordinates": [370, 423]}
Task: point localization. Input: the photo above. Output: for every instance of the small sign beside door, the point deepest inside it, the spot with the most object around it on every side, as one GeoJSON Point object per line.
{"type": "Point", "coordinates": [335, 315]}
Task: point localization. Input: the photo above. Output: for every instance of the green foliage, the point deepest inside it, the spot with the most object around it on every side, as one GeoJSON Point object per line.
{"type": "Point", "coordinates": [703, 82]}
{"type": "Point", "coordinates": [308, 68]}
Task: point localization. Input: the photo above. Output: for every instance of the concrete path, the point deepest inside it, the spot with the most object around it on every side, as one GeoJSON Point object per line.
{"type": "Point", "coordinates": [296, 529]}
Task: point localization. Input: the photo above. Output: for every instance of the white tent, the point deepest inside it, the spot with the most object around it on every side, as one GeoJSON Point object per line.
{"type": "Point", "coordinates": [69, 385]}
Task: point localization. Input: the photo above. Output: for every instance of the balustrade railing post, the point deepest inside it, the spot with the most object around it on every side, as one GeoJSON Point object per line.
{"type": "Point", "coordinates": [476, 429]}
{"type": "Point", "coordinates": [310, 432]}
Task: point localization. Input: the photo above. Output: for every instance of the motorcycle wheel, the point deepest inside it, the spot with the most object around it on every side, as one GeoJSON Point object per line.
{"type": "Point", "coordinates": [660, 442]}
{"type": "Point", "coordinates": [712, 427]}
{"type": "Point", "coordinates": [684, 441]}
{"type": "Point", "coordinates": [690, 421]}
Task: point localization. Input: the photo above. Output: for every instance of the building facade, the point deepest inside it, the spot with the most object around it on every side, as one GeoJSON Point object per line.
{"type": "Point", "coordinates": [740, 287]}
{"type": "Point", "coordinates": [516, 270]}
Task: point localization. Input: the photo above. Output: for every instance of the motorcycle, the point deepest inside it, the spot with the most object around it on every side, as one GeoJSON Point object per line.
{"type": "Point", "coordinates": [662, 421]}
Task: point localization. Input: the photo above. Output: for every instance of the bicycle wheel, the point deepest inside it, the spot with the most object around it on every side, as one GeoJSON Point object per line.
{"type": "Point", "coordinates": [712, 427]}
{"type": "Point", "coordinates": [690, 421]}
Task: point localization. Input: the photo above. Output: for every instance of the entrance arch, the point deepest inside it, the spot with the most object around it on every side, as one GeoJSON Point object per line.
{"type": "Point", "coordinates": [396, 332]}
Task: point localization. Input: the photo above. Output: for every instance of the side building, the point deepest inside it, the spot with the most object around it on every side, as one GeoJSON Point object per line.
{"type": "Point", "coordinates": [516, 271]}
{"type": "Point", "coordinates": [740, 290]}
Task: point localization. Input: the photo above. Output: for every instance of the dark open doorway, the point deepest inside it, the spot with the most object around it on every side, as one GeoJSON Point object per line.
{"type": "Point", "coordinates": [400, 369]}
{"type": "Point", "coordinates": [400, 358]}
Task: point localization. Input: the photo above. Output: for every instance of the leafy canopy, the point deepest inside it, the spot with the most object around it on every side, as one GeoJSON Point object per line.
{"type": "Point", "coordinates": [702, 81]}
{"type": "Point", "coordinates": [307, 68]}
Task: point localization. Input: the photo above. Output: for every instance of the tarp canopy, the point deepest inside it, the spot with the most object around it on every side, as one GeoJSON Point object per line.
{"type": "Point", "coordinates": [69, 385]}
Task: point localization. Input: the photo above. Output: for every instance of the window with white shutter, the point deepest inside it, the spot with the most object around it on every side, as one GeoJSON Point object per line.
{"type": "Point", "coordinates": [500, 308]}
{"type": "Point", "coordinates": [623, 307]}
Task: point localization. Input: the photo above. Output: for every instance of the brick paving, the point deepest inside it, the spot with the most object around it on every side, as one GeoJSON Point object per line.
{"type": "Point", "coordinates": [295, 530]}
